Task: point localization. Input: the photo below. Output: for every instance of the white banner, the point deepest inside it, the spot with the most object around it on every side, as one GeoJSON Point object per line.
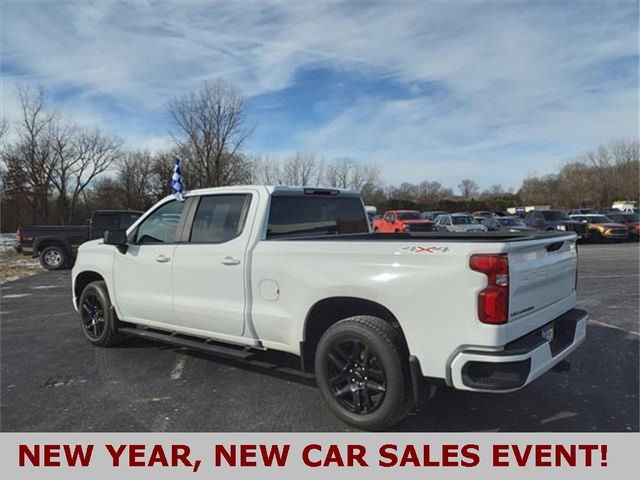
{"type": "Point", "coordinates": [317, 455]}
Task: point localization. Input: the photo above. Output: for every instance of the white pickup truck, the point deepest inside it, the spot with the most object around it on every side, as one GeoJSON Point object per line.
{"type": "Point", "coordinates": [377, 317]}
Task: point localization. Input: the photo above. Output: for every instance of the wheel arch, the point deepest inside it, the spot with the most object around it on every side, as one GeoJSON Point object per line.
{"type": "Point", "coordinates": [43, 242]}
{"type": "Point", "coordinates": [83, 279]}
{"type": "Point", "coordinates": [328, 311]}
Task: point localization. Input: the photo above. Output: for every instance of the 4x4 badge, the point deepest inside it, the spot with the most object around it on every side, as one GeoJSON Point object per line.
{"type": "Point", "coordinates": [429, 250]}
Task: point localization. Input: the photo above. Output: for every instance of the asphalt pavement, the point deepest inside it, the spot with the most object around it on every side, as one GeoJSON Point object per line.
{"type": "Point", "coordinates": [53, 380]}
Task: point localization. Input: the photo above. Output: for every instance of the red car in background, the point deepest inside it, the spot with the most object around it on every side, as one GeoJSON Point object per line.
{"type": "Point", "coordinates": [395, 221]}
{"type": "Point", "coordinates": [630, 220]}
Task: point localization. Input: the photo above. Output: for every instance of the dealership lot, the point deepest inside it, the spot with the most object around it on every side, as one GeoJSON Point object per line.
{"type": "Point", "coordinates": [53, 380]}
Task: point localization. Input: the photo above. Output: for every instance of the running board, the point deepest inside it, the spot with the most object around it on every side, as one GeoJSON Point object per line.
{"type": "Point", "coordinates": [179, 341]}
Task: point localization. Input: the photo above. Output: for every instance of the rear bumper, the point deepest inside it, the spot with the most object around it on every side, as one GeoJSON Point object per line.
{"type": "Point", "coordinates": [522, 360]}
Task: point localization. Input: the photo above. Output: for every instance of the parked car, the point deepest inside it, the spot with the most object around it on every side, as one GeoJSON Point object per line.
{"type": "Point", "coordinates": [457, 222]}
{"type": "Point", "coordinates": [431, 215]}
{"type": "Point", "coordinates": [629, 220]}
{"type": "Point", "coordinates": [297, 270]}
{"type": "Point", "coordinates": [582, 211]}
{"type": "Point", "coordinates": [395, 221]}
{"type": "Point", "coordinates": [483, 213]}
{"type": "Point", "coordinates": [602, 228]}
{"type": "Point", "coordinates": [56, 245]}
{"type": "Point", "coordinates": [549, 220]}
{"type": "Point", "coordinates": [506, 224]}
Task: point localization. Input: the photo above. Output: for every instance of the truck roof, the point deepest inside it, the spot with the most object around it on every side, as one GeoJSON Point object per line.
{"type": "Point", "coordinates": [280, 189]}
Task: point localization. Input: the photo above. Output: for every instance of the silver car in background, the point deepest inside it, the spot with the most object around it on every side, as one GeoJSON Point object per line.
{"type": "Point", "coordinates": [457, 222]}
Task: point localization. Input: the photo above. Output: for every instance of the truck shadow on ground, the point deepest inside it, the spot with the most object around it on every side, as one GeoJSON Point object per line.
{"type": "Point", "coordinates": [592, 396]}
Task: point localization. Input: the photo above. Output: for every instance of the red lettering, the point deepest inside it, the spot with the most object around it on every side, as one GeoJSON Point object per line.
{"type": "Point", "coordinates": [228, 455]}
{"type": "Point", "coordinates": [51, 456]}
{"type": "Point", "coordinates": [500, 452]}
{"type": "Point", "coordinates": [426, 452]}
{"type": "Point", "coordinates": [356, 454]}
{"type": "Point", "coordinates": [470, 453]}
{"type": "Point", "coordinates": [25, 452]}
{"type": "Point", "coordinates": [333, 456]}
{"type": "Point", "coordinates": [115, 454]}
{"type": "Point", "coordinates": [449, 455]}
{"type": "Point", "coordinates": [274, 453]}
{"type": "Point", "coordinates": [136, 452]}
{"type": "Point", "coordinates": [588, 449]}
{"type": "Point", "coordinates": [521, 458]}
{"type": "Point", "coordinates": [305, 455]}
{"type": "Point", "coordinates": [543, 452]}
{"type": "Point", "coordinates": [158, 456]}
{"type": "Point", "coordinates": [180, 454]}
{"type": "Point", "coordinates": [247, 455]}
{"type": "Point", "coordinates": [411, 456]}
{"type": "Point", "coordinates": [568, 455]}
{"type": "Point", "coordinates": [78, 454]}
{"type": "Point", "coordinates": [387, 452]}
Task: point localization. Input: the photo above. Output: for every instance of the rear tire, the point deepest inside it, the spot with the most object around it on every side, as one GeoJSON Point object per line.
{"type": "Point", "coordinates": [53, 257]}
{"type": "Point", "coordinates": [362, 372]}
{"type": "Point", "coordinates": [97, 316]}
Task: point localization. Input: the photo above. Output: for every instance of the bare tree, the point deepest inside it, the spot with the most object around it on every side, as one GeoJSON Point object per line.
{"type": "Point", "coordinates": [30, 162]}
{"type": "Point", "coordinates": [4, 127]}
{"type": "Point", "coordinates": [338, 173]}
{"type": "Point", "coordinates": [210, 129]}
{"type": "Point", "coordinates": [94, 153]}
{"type": "Point", "coordinates": [134, 180]}
{"type": "Point", "coordinates": [468, 188]}
{"type": "Point", "coordinates": [267, 171]}
{"type": "Point", "coordinates": [303, 168]}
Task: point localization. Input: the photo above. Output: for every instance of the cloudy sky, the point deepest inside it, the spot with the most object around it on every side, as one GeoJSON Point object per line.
{"type": "Point", "coordinates": [428, 90]}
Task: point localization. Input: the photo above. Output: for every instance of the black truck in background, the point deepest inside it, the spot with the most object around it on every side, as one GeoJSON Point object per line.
{"type": "Point", "coordinates": [56, 245]}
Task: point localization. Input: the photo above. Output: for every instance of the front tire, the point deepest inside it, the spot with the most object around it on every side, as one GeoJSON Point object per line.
{"type": "Point", "coordinates": [362, 372]}
{"type": "Point", "coordinates": [53, 257]}
{"type": "Point", "coordinates": [96, 315]}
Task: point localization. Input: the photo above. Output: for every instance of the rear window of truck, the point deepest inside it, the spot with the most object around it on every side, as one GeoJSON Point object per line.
{"type": "Point", "coordinates": [296, 216]}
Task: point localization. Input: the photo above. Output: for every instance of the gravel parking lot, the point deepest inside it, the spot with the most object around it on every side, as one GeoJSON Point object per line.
{"type": "Point", "coordinates": [53, 380]}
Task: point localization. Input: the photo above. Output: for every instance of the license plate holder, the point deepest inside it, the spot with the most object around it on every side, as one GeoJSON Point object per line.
{"type": "Point", "coordinates": [548, 332]}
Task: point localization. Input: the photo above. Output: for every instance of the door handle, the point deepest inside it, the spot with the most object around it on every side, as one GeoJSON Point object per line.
{"type": "Point", "coordinates": [230, 261]}
{"type": "Point", "coordinates": [162, 258]}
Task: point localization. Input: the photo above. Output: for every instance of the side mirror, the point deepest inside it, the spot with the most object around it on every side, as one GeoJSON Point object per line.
{"type": "Point", "coordinates": [117, 238]}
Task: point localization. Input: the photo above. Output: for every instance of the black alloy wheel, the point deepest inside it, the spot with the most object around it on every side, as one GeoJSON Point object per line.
{"type": "Point", "coordinates": [356, 377]}
{"type": "Point", "coordinates": [92, 314]}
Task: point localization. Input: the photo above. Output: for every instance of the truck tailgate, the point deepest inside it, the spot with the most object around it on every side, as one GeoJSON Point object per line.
{"type": "Point", "coordinates": [542, 279]}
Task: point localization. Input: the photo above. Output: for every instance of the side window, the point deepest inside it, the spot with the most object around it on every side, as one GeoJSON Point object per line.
{"type": "Point", "coordinates": [390, 217]}
{"type": "Point", "coordinates": [446, 220]}
{"type": "Point", "coordinates": [161, 225]}
{"type": "Point", "coordinates": [105, 221]}
{"type": "Point", "coordinates": [219, 218]}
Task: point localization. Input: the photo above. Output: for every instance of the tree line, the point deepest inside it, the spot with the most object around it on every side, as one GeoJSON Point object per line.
{"type": "Point", "coordinates": [53, 170]}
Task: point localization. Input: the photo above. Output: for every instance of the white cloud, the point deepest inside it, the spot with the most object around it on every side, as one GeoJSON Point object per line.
{"type": "Point", "coordinates": [514, 74]}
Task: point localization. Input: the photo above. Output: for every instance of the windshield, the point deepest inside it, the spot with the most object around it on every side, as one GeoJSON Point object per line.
{"type": "Point", "coordinates": [511, 222]}
{"type": "Point", "coordinates": [409, 216]}
{"type": "Point", "coordinates": [463, 220]}
{"type": "Point", "coordinates": [554, 216]}
{"type": "Point", "coordinates": [598, 219]}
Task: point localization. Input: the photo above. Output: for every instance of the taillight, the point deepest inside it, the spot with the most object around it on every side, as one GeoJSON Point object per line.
{"type": "Point", "coordinates": [493, 301]}
{"type": "Point", "coordinates": [18, 236]}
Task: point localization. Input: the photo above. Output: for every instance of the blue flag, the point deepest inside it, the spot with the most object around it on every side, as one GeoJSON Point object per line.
{"type": "Point", "coordinates": [177, 184]}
